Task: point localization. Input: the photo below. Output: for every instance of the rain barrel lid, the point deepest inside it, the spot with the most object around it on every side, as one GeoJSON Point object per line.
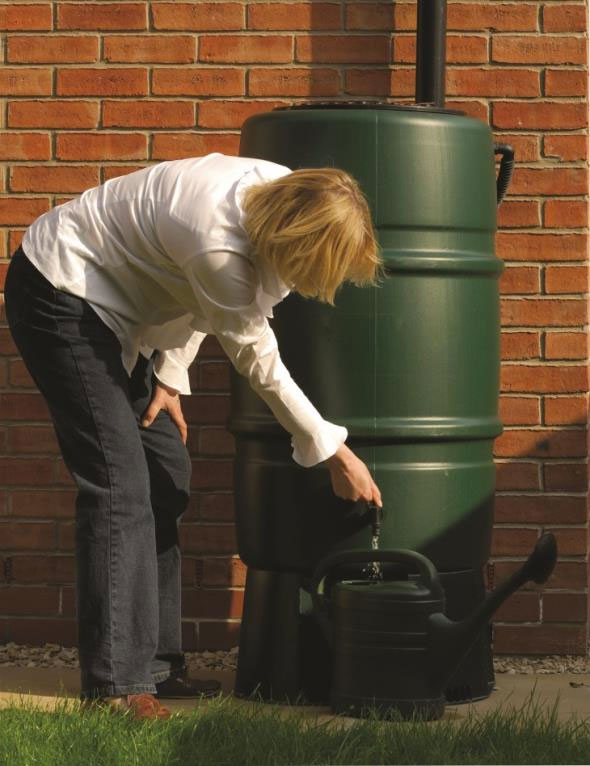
{"type": "Point", "coordinates": [367, 105]}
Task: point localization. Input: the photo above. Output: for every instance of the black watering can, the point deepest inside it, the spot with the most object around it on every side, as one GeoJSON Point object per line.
{"type": "Point", "coordinates": [393, 647]}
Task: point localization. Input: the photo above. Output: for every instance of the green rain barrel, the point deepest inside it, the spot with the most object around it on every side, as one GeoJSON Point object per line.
{"type": "Point", "coordinates": [411, 367]}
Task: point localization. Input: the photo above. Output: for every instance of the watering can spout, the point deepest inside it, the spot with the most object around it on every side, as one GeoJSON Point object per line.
{"type": "Point", "coordinates": [450, 641]}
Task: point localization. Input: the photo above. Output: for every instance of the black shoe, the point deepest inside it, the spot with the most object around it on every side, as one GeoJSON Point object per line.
{"type": "Point", "coordinates": [186, 688]}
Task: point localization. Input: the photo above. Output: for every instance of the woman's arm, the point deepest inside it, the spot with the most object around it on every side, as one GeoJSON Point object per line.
{"type": "Point", "coordinates": [225, 287]}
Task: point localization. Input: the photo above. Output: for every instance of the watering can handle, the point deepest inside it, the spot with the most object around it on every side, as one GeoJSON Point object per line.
{"type": "Point", "coordinates": [506, 168]}
{"type": "Point", "coordinates": [413, 560]}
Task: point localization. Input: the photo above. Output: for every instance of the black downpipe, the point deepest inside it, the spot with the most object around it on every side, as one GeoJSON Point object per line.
{"type": "Point", "coordinates": [431, 52]}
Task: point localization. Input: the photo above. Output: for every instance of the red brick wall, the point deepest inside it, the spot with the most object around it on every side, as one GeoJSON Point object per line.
{"type": "Point", "coordinates": [93, 90]}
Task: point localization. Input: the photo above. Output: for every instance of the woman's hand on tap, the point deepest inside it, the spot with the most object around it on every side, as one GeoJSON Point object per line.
{"type": "Point", "coordinates": [351, 479]}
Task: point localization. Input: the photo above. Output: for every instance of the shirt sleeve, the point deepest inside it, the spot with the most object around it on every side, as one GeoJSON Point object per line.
{"type": "Point", "coordinates": [225, 287]}
{"type": "Point", "coordinates": [171, 366]}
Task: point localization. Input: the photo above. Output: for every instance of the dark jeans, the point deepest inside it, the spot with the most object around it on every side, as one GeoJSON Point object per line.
{"type": "Point", "coordinates": [133, 485]}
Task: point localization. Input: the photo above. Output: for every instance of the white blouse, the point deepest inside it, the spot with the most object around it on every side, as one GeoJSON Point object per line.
{"type": "Point", "coordinates": [161, 255]}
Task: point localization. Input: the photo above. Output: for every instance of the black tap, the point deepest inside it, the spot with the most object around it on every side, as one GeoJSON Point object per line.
{"type": "Point", "coordinates": [376, 514]}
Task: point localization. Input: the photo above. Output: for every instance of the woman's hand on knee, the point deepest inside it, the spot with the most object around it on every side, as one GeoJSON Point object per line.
{"type": "Point", "coordinates": [167, 399]}
{"type": "Point", "coordinates": [351, 479]}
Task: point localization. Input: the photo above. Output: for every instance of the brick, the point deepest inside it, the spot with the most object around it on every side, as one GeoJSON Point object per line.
{"type": "Point", "coordinates": [173, 146]}
{"type": "Point", "coordinates": [25, 146]}
{"type": "Point", "coordinates": [401, 82]}
{"type": "Point", "coordinates": [198, 17]}
{"type": "Point", "coordinates": [295, 82]}
{"type": "Point", "coordinates": [19, 471]}
{"type": "Point", "coordinates": [517, 475]}
{"type": "Point", "coordinates": [565, 477]}
{"type": "Point", "coordinates": [520, 345]}
{"type": "Point", "coordinates": [510, 541]}
{"type": "Point", "coordinates": [568, 148]}
{"type": "Point", "coordinates": [216, 441]}
{"type": "Point", "coordinates": [520, 280]}
{"type": "Point", "coordinates": [32, 439]}
{"type": "Point", "coordinates": [313, 16]}
{"type": "Point", "coordinates": [570, 542]}
{"type": "Point", "coordinates": [542, 115]}
{"type": "Point", "coordinates": [566, 410]}
{"type": "Point", "coordinates": [28, 631]}
{"type": "Point", "coordinates": [101, 146]}
{"type": "Point", "coordinates": [231, 114]}
{"type": "Point", "coordinates": [541, 443]}
{"type": "Point", "coordinates": [148, 114]}
{"type": "Point", "coordinates": [102, 82]}
{"type": "Point", "coordinates": [41, 503]}
{"type": "Point", "coordinates": [371, 82]}
{"type": "Point", "coordinates": [44, 569]}
{"type": "Point", "coordinates": [68, 602]}
{"type": "Point", "coordinates": [7, 345]}
{"type": "Point", "coordinates": [565, 82]}
{"type": "Point", "coordinates": [250, 49]}
{"type": "Point", "coordinates": [541, 247]}
{"type": "Point", "coordinates": [173, 49]}
{"type": "Point", "coordinates": [54, 49]}
{"type": "Point", "coordinates": [479, 110]}
{"type": "Point", "coordinates": [15, 238]}
{"type": "Point", "coordinates": [520, 411]}
{"type": "Point", "coordinates": [566, 345]}
{"type": "Point", "coordinates": [61, 178]}
{"type": "Point", "coordinates": [535, 378]}
{"type": "Point", "coordinates": [564, 18]}
{"type": "Point", "coordinates": [217, 507]}
{"type": "Point", "coordinates": [114, 171]}
{"type": "Point", "coordinates": [213, 603]}
{"type": "Point", "coordinates": [101, 16]}
{"type": "Point", "coordinates": [555, 181]}
{"type": "Point", "coordinates": [564, 607]}
{"type": "Point", "coordinates": [17, 17]}
{"type": "Point", "coordinates": [212, 474]}
{"type": "Point", "coordinates": [214, 375]}
{"type": "Point", "coordinates": [30, 600]}
{"type": "Point", "coordinates": [461, 49]}
{"type": "Point", "coordinates": [513, 214]}
{"type": "Point", "coordinates": [66, 536]}
{"type": "Point", "coordinates": [53, 114]}
{"type": "Point", "coordinates": [224, 572]}
{"type": "Point", "coordinates": [503, 17]}
{"type": "Point", "coordinates": [538, 49]}
{"type": "Point", "coordinates": [539, 509]}
{"type": "Point", "coordinates": [19, 406]}
{"type": "Point", "coordinates": [526, 148]}
{"type": "Point", "coordinates": [352, 49]}
{"type": "Point", "coordinates": [520, 607]}
{"type": "Point", "coordinates": [543, 639]}
{"type": "Point", "coordinates": [188, 81]}
{"type": "Point", "coordinates": [566, 279]}
{"type": "Point", "coordinates": [24, 81]}
{"type": "Point", "coordinates": [493, 83]}
{"type": "Point", "coordinates": [209, 539]}
{"type": "Point", "coordinates": [542, 311]}
{"type": "Point", "coordinates": [27, 535]}
{"type": "Point", "coordinates": [218, 635]}
{"type": "Point", "coordinates": [565, 213]}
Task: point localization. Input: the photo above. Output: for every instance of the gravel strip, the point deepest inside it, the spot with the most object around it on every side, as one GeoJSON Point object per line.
{"type": "Point", "coordinates": [55, 656]}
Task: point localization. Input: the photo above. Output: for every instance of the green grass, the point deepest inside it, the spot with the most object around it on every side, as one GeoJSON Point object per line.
{"type": "Point", "coordinates": [227, 731]}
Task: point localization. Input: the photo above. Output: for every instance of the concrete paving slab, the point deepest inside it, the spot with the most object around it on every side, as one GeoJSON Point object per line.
{"type": "Point", "coordinates": [45, 687]}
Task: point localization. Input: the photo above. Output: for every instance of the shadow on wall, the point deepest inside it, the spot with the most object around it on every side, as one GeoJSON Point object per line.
{"type": "Point", "coordinates": [542, 486]}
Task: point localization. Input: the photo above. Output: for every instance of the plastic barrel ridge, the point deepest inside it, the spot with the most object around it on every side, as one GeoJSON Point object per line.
{"type": "Point", "coordinates": [410, 368]}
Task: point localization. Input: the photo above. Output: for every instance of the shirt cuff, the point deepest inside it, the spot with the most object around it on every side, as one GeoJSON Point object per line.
{"type": "Point", "coordinates": [170, 372]}
{"type": "Point", "coordinates": [311, 450]}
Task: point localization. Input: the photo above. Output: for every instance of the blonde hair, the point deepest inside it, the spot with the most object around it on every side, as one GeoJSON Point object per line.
{"type": "Point", "coordinates": [313, 227]}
